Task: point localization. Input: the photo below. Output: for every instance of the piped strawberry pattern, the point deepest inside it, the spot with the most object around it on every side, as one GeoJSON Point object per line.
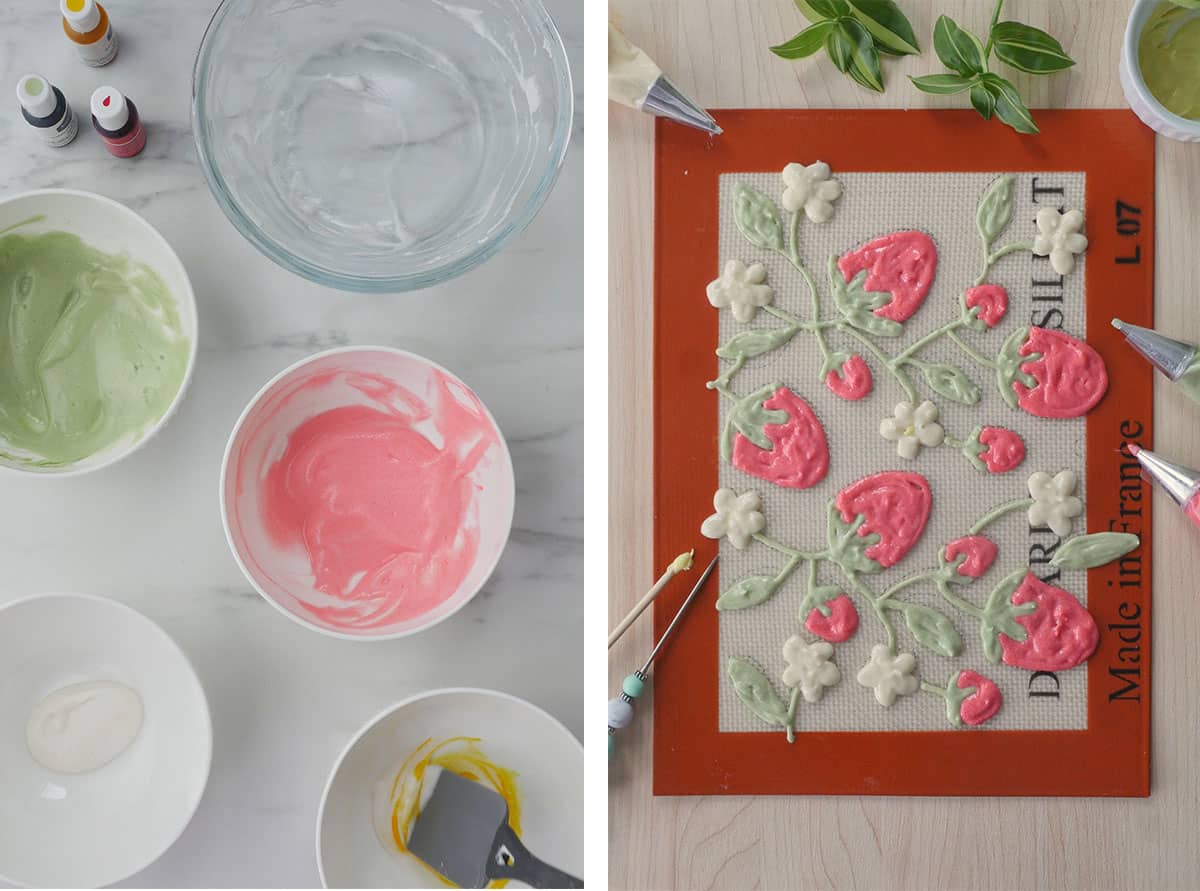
{"type": "Point", "coordinates": [772, 434]}
{"type": "Point", "coordinates": [873, 524]}
{"type": "Point", "coordinates": [798, 453]}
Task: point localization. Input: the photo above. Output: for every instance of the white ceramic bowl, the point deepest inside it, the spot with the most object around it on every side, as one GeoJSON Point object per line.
{"type": "Point", "coordinates": [93, 829]}
{"type": "Point", "coordinates": [1137, 94]}
{"type": "Point", "coordinates": [513, 733]}
{"type": "Point", "coordinates": [113, 228]}
{"type": "Point", "coordinates": [283, 575]}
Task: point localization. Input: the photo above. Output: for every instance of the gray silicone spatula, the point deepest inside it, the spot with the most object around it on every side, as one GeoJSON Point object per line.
{"type": "Point", "coordinates": [463, 833]}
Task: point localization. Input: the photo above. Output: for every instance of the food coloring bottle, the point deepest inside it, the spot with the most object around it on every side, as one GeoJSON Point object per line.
{"type": "Point", "coordinates": [117, 121]}
{"type": "Point", "coordinates": [87, 25]}
{"type": "Point", "coordinates": [46, 110]}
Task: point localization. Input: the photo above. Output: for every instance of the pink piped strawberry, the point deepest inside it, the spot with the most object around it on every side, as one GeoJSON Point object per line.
{"type": "Point", "coordinates": [799, 454]}
{"type": "Point", "coordinates": [979, 552]}
{"type": "Point", "coordinates": [901, 263]}
{"type": "Point", "coordinates": [970, 698]}
{"type": "Point", "coordinates": [1050, 374]}
{"type": "Point", "coordinates": [1036, 626]}
{"type": "Point", "coordinates": [834, 620]}
{"type": "Point", "coordinates": [981, 705]}
{"type": "Point", "coordinates": [994, 449]}
{"type": "Point", "coordinates": [892, 506]}
{"type": "Point", "coordinates": [990, 303]}
{"type": "Point", "coordinates": [851, 380]}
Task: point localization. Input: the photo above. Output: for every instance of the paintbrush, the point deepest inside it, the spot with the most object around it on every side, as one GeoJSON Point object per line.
{"type": "Point", "coordinates": [462, 832]}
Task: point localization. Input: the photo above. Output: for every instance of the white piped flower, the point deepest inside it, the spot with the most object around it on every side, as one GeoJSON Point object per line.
{"type": "Point", "coordinates": [737, 518]}
{"type": "Point", "coordinates": [809, 667]}
{"type": "Point", "coordinates": [1054, 501]}
{"type": "Point", "coordinates": [1059, 238]}
{"type": "Point", "coordinates": [912, 427]}
{"type": "Point", "coordinates": [741, 288]}
{"type": "Point", "coordinates": [889, 675]}
{"type": "Point", "coordinates": [810, 188]}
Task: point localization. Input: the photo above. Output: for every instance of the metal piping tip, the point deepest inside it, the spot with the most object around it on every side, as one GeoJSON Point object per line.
{"type": "Point", "coordinates": [1171, 357]}
{"type": "Point", "coordinates": [1176, 480]}
{"type": "Point", "coordinates": [664, 99]}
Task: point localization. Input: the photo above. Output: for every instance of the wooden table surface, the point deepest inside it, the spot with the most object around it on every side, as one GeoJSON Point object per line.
{"type": "Point", "coordinates": [727, 842]}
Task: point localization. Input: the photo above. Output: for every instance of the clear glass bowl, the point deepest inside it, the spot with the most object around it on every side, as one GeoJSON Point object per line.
{"type": "Point", "coordinates": [381, 145]}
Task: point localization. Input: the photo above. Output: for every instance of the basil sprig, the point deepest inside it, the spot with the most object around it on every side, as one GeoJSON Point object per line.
{"type": "Point", "coordinates": [1018, 45]}
{"type": "Point", "coordinates": [854, 34]}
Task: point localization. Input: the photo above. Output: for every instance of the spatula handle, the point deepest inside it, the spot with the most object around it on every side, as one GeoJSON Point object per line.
{"type": "Point", "coordinates": [524, 867]}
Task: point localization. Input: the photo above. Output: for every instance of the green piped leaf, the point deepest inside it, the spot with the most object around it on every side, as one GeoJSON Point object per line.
{"type": "Point", "coordinates": [948, 381]}
{"type": "Point", "coordinates": [1000, 615]}
{"type": "Point", "coordinates": [749, 591]}
{"type": "Point", "coordinates": [809, 41]}
{"type": "Point", "coordinates": [855, 303]}
{"type": "Point", "coordinates": [748, 416]}
{"type": "Point", "coordinates": [995, 209]}
{"type": "Point", "coordinates": [1097, 549]}
{"type": "Point", "coordinates": [757, 218]}
{"type": "Point", "coordinates": [959, 49]}
{"type": "Point", "coordinates": [753, 688]}
{"type": "Point", "coordinates": [887, 24]}
{"type": "Point", "coordinates": [1008, 365]}
{"type": "Point", "coordinates": [1029, 49]}
{"type": "Point", "coordinates": [932, 630]}
{"type": "Point", "coordinates": [749, 344]}
{"type": "Point", "coordinates": [847, 548]}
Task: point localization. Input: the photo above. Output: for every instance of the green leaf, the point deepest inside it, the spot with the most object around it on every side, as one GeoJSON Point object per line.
{"type": "Point", "coordinates": [999, 615]}
{"type": "Point", "coordinates": [856, 304]}
{"type": "Point", "coordinates": [815, 10]}
{"type": "Point", "coordinates": [983, 100]}
{"type": "Point", "coordinates": [1187, 4]}
{"type": "Point", "coordinates": [757, 218]}
{"type": "Point", "coordinates": [959, 50]}
{"type": "Point", "coordinates": [1009, 107]}
{"type": "Point", "coordinates": [749, 344]}
{"type": "Point", "coordinates": [840, 48]}
{"type": "Point", "coordinates": [753, 688]}
{"type": "Point", "coordinates": [995, 209]}
{"type": "Point", "coordinates": [818, 598]}
{"type": "Point", "coordinates": [748, 592]}
{"type": "Point", "coordinates": [1097, 549]}
{"type": "Point", "coordinates": [807, 42]}
{"type": "Point", "coordinates": [748, 416]}
{"type": "Point", "coordinates": [942, 84]}
{"type": "Point", "coordinates": [1029, 49]}
{"type": "Point", "coordinates": [932, 629]}
{"type": "Point", "coordinates": [847, 548]}
{"type": "Point", "coordinates": [1008, 365]}
{"type": "Point", "coordinates": [948, 381]}
{"type": "Point", "coordinates": [864, 58]}
{"type": "Point", "coordinates": [887, 24]}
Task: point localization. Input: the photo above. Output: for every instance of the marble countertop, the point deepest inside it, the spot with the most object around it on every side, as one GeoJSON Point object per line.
{"type": "Point", "coordinates": [147, 531]}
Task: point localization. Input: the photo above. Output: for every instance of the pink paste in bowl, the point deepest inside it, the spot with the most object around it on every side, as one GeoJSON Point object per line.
{"type": "Point", "coordinates": [380, 497]}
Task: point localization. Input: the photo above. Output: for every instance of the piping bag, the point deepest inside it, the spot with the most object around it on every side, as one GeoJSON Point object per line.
{"type": "Point", "coordinates": [1176, 359]}
{"type": "Point", "coordinates": [635, 80]}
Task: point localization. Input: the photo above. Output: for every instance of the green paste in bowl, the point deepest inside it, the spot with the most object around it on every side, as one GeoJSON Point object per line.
{"type": "Point", "coordinates": [1169, 58]}
{"type": "Point", "coordinates": [92, 351]}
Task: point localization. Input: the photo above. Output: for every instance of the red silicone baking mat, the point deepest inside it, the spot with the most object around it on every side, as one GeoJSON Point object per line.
{"type": "Point", "coordinates": [1109, 754]}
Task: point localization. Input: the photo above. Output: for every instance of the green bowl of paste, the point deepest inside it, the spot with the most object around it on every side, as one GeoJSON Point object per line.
{"type": "Point", "coordinates": [97, 332]}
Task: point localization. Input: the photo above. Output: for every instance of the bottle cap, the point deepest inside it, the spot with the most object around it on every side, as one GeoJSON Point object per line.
{"type": "Point", "coordinates": [109, 108]}
{"type": "Point", "coordinates": [82, 15]}
{"type": "Point", "coordinates": [36, 96]}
